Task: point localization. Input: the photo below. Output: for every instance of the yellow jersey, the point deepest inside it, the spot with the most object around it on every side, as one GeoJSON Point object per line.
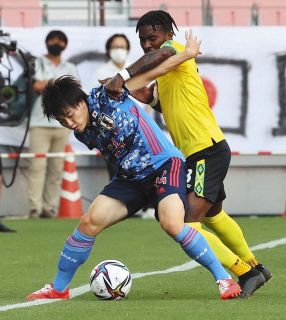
{"type": "Point", "coordinates": [185, 107]}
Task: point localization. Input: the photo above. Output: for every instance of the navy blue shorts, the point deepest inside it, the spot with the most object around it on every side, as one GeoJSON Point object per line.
{"type": "Point", "coordinates": [170, 178]}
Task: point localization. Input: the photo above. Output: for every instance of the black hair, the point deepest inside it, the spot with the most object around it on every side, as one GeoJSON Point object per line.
{"type": "Point", "coordinates": [57, 34]}
{"type": "Point", "coordinates": [60, 94]}
{"type": "Point", "coordinates": [110, 40]}
{"type": "Point", "coordinates": [157, 18]}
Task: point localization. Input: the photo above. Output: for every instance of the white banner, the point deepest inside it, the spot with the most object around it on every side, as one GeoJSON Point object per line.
{"type": "Point", "coordinates": [243, 70]}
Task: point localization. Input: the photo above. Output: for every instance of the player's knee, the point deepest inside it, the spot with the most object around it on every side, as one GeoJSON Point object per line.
{"type": "Point", "coordinates": [88, 225]}
{"type": "Point", "coordinates": [170, 225]}
{"type": "Point", "coordinates": [197, 208]}
{"type": "Point", "coordinates": [214, 210]}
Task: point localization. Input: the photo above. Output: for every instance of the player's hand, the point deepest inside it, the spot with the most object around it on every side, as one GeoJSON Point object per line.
{"type": "Point", "coordinates": [192, 47]}
{"type": "Point", "coordinates": [104, 81]}
{"type": "Point", "coordinates": [114, 87]}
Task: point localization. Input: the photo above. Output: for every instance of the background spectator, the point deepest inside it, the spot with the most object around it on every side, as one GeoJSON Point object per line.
{"type": "Point", "coordinates": [117, 49]}
{"type": "Point", "coordinates": [44, 176]}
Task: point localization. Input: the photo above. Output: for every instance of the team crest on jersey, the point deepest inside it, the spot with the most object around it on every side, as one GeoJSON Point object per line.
{"type": "Point", "coordinates": [94, 116]}
{"type": "Point", "coordinates": [162, 179]}
{"type": "Point", "coordinates": [106, 121]}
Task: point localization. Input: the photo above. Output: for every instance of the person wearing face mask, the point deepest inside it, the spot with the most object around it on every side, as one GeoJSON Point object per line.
{"type": "Point", "coordinates": [44, 176]}
{"type": "Point", "coordinates": [117, 49]}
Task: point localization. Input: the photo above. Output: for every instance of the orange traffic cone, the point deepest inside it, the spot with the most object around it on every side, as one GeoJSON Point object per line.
{"type": "Point", "coordinates": [70, 202]}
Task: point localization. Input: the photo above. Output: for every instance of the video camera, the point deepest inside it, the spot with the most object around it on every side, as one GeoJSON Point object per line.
{"type": "Point", "coordinates": [16, 96]}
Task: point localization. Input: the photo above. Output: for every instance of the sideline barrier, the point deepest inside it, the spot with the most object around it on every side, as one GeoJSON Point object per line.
{"type": "Point", "coordinates": [24, 155]}
{"type": "Point", "coordinates": [98, 154]}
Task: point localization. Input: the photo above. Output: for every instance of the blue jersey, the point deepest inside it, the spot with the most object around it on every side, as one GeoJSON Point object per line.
{"type": "Point", "coordinates": [126, 135]}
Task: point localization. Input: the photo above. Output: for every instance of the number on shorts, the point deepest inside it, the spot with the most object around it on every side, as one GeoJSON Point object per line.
{"type": "Point", "coordinates": [189, 177]}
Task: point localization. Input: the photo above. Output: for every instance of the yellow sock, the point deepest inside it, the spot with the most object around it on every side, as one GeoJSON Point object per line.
{"type": "Point", "coordinates": [230, 234]}
{"type": "Point", "coordinates": [225, 256]}
{"type": "Point", "coordinates": [253, 262]}
{"type": "Point", "coordinates": [240, 267]}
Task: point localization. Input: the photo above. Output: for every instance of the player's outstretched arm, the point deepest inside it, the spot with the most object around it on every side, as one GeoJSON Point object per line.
{"type": "Point", "coordinates": [192, 49]}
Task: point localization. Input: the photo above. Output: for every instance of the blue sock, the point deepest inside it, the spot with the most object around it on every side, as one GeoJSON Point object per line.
{"type": "Point", "coordinates": [196, 247]}
{"type": "Point", "coordinates": [75, 252]}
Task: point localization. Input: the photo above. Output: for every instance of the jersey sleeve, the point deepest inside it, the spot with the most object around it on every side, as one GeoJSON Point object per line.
{"type": "Point", "coordinates": [178, 47]}
{"type": "Point", "coordinates": [171, 44]}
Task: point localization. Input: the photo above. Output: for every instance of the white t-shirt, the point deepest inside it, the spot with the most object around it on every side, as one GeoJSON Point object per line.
{"type": "Point", "coordinates": [45, 70]}
{"type": "Point", "coordinates": [107, 70]}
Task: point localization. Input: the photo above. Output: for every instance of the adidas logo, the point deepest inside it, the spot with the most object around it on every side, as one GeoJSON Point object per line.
{"type": "Point", "coordinates": [161, 190]}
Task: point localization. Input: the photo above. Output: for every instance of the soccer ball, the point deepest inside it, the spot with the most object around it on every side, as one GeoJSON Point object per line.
{"type": "Point", "coordinates": [110, 280]}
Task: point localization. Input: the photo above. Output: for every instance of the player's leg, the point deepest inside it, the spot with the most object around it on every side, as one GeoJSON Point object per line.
{"type": "Point", "coordinates": [209, 186]}
{"type": "Point", "coordinates": [205, 183]}
{"type": "Point", "coordinates": [170, 199]}
{"type": "Point", "coordinates": [197, 206]}
{"type": "Point", "coordinates": [117, 201]}
{"type": "Point", "coordinates": [171, 217]}
{"type": "Point", "coordinates": [203, 180]}
{"type": "Point", "coordinates": [228, 230]}
{"type": "Point", "coordinates": [250, 279]}
{"type": "Point", "coordinates": [103, 212]}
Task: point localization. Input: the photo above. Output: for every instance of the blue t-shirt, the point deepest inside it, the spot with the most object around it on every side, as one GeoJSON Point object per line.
{"type": "Point", "coordinates": [126, 135]}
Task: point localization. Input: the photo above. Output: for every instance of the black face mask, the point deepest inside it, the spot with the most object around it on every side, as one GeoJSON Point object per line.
{"type": "Point", "coordinates": [55, 49]}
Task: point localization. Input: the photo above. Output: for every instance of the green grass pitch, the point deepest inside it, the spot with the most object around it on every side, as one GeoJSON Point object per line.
{"type": "Point", "coordinates": [29, 260]}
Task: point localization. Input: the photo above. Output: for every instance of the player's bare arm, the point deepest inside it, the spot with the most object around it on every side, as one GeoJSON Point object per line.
{"type": "Point", "coordinates": [150, 60]}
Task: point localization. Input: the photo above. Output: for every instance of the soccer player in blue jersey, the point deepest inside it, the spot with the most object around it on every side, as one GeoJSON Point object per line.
{"type": "Point", "coordinates": [148, 168]}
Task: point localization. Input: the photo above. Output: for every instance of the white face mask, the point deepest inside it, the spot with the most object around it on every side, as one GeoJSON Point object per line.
{"type": "Point", "coordinates": [118, 55]}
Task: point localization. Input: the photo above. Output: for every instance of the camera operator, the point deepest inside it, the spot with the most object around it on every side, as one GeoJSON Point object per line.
{"type": "Point", "coordinates": [44, 176]}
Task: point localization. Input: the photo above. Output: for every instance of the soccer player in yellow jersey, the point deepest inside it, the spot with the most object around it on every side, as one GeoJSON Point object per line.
{"type": "Point", "coordinates": [194, 130]}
